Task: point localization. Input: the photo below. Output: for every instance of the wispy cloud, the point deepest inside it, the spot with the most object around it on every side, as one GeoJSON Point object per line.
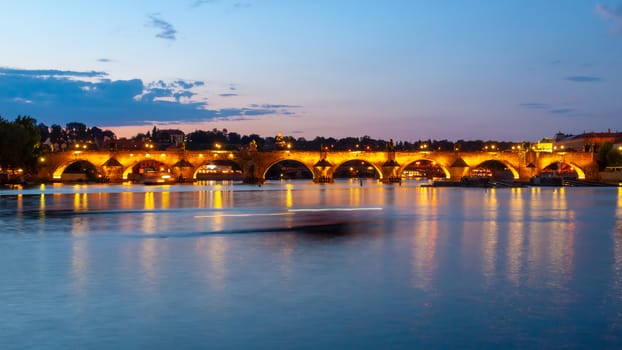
{"type": "Point", "coordinates": [613, 15]}
{"type": "Point", "coordinates": [237, 4]}
{"type": "Point", "coordinates": [534, 105]}
{"type": "Point", "coordinates": [545, 107]}
{"type": "Point", "coordinates": [227, 95]}
{"type": "Point", "coordinates": [202, 2]}
{"type": "Point", "coordinates": [167, 31]}
{"type": "Point", "coordinates": [187, 84]}
{"type": "Point", "coordinates": [21, 100]}
{"type": "Point", "coordinates": [104, 60]}
{"type": "Point", "coordinates": [51, 73]}
{"type": "Point", "coordinates": [272, 106]}
{"type": "Point", "coordinates": [561, 110]}
{"type": "Point", "coordinates": [583, 79]}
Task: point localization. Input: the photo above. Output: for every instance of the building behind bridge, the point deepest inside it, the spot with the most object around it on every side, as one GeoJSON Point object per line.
{"type": "Point", "coordinates": [586, 142]}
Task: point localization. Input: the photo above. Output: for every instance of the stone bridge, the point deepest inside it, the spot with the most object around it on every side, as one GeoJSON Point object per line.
{"type": "Point", "coordinates": [253, 165]}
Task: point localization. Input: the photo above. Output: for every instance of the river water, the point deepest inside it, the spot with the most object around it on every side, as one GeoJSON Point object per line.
{"type": "Point", "coordinates": [293, 265]}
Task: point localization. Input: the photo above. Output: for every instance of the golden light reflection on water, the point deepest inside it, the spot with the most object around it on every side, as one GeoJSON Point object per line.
{"type": "Point", "coordinates": [355, 196]}
{"type": "Point", "coordinates": [516, 236]}
{"type": "Point", "coordinates": [127, 200]}
{"type": "Point", "coordinates": [289, 203]}
{"type": "Point", "coordinates": [216, 199]}
{"type": "Point", "coordinates": [147, 252]}
{"type": "Point", "coordinates": [80, 202]}
{"type": "Point", "coordinates": [20, 203]}
{"type": "Point", "coordinates": [289, 198]}
{"type": "Point", "coordinates": [42, 202]}
{"type": "Point", "coordinates": [79, 252]}
{"type": "Point", "coordinates": [489, 234]}
{"type": "Point", "coordinates": [42, 206]}
{"type": "Point", "coordinates": [149, 201]}
{"type": "Point", "coordinates": [551, 237]}
{"type": "Point", "coordinates": [202, 199]}
{"type": "Point", "coordinates": [165, 199]}
{"type": "Point", "coordinates": [425, 236]}
{"type": "Point", "coordinates": [149, 223]}
{"type": "Point", "coordinates": [564, 229]}
{"type": "Point", "coordinates": [165, 203]}
{"type": "Point", "coordinates": [216, 203]}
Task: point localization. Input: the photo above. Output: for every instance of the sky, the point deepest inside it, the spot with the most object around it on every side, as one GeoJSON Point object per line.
{"type": "Point", "coordinates": [396, 69]}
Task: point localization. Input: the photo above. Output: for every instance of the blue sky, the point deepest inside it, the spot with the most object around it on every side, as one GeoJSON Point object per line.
{"type": "Point", "coordinates": [401, 69]}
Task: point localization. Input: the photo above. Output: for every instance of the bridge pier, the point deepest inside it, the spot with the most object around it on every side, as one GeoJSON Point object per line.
{"type": "Point", "coordinates": [322, 170]}
{"type": "Point", "coordinates": [390, 168]}
{"type": "Point", "coordinates": [390, 173]}
{"type": "Point", "coordinates": [251, 176]}
{"type": "Point", "coordinates": [456, 173]}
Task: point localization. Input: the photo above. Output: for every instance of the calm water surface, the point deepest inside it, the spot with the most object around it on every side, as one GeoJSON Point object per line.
{"type": "Point", "coordinates": [302, 266]}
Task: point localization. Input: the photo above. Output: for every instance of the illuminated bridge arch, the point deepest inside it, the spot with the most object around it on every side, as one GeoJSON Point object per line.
{"type": "Point", "coordinates": [580, 172]}
{"type": "Point", "coordinates": [58, 172]}
{"type": "Point", "coordinates": [515, 173]}
{"type": "Point", "coordinates": [274, 162]}
{"type": "Point", "coordinates": [410, 162]}
{"type": "Point", "coordinates": [216, 165]}
{"type": "Point", "coordinates": [376, 168]}
{"type": "Point", "coordinates": [130, 169]}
